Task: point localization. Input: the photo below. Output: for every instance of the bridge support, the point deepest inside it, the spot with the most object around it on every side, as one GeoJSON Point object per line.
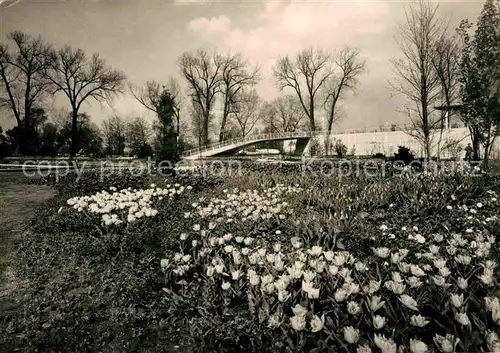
{"type": "Point", "coordinates": [300, 146]}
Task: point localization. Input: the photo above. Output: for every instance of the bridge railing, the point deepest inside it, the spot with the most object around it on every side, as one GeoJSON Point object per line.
{"type": "Point", "coordinates": [284, 135]}
{"type": "Point", "coordinates": [251, 138]}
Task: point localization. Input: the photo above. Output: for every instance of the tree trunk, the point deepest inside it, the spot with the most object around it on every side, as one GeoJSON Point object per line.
{"type": "Point", "coordinates": [475, 148]}
{"type": "Point", "coordinates": [73, 150]}
{"type": "Point", "coordinates": [441, 130]}
{"type": "Point", "coordinates": [225, 113]}
{"type": "Point", "coordinates": [328, 142]}
{"type": "Point", "coordinates": [426, 130]}
{"type": "Point", "coordinates": [311, 116]}
{"type": "Point", "coordinates": [25, 135]}
{"type": "Point", "coordinates": [205, 130]}
{"type": "Point", "coordinates": [206, 122]}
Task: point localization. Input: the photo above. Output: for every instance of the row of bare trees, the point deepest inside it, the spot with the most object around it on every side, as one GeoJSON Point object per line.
{"type": "Point", "coordinates": [436, 67]}
{"type": "Point", "coordinates": [33, 72]}
{"type": "Point", "coordinates": [312, 77]}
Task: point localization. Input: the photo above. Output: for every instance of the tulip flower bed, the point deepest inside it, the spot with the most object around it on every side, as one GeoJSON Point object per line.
{"type": "Point", "coordinates": [254, 264]}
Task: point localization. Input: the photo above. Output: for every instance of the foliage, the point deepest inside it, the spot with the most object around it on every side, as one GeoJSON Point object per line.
{"type": "Point", "coordinates": [49, 139]}
{"type": "Point", "coordinates": [312, 73]}
{"type": "Point", "coordinates": [453, 147]}
{"type": "Point", "coordinates": [480, 78]}
{"type": "Point", "coordinates": [27, 138]}
{"type": "Point", "coordinates": [87, 134]}
{"type": "Point", "coordinates": [235, 79]}
{"type": "Point", "coordinates": [201, 70]}
{"type": "Point", "coordinates": [138, 135]}
{"type": "Point", "coordinates": [403, 155]}
{"type": "Point", "coordinates": [115, 135]}
{"type": "Point", "coordinates": [340, 148]}
{"type": "Point", "coordinates": [315, 148]}
{"type": "Point", "coordinates": [93, 181]}
{"type": "Point", "coordinates": [379, 155]}
{"type": "Point", "coordinates": [350, 66]}
{"type": "Point", "coordinates": [246, 111]}
{"type": "Point", "coordinates": [4, 145]}
{"type": "Point", "coordinates": [283, 114]}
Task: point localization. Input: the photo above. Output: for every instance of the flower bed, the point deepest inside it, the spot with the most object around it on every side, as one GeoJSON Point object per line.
{"type": "Point", "coordinates": [134, 203]}
{"type": "Point", "coordinates": [422, 292]}
{"type": "Point", "coordinates": [262, 262]}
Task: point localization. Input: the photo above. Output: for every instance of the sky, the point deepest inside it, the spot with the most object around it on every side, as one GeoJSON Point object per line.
{"type": "Point", "coordinates": [144, 38]}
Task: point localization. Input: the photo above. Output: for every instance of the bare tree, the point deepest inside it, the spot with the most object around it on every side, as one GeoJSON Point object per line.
{"type": "Point", "coordinates": [197, 120]}
{"type": "Point", "coordinates": [417, 79]}
{"type": "Point", "coordinates": [235, 76]}
{"type": "Point", "coordinates": [202, 72]}
{"type": "Point", "coordinates": [246, 111]}
{"type": "Point", "coordinates": [150, 95]}
{"type": "Point", "coordinates": [446, 63]}
{"type": "Point", "coordinates": [284, 114]}
{"type": "Point", "coordinates": [114, 130]}
{"type": "Point", "coordinates": [81, 78]}
{"type": "Point", "coordinates": [138, 132]}
{"type": "Point", "coordinates": [350, 66]}
{"type": "Point", "coordinates": [22, 81]}
{"type": "Point", "coordinates": [305, 75]}
{"type": "Point", "coordinates": [175, 90]}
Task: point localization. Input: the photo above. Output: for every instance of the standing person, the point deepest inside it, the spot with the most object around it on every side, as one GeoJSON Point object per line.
{"type": "Point", "coordinates": [468, 153]}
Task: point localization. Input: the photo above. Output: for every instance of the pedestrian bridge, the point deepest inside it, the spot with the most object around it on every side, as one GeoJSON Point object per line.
{"type": "Point", "coordinates": [232, 146]}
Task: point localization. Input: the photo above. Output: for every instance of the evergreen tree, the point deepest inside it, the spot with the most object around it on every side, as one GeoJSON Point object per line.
{"type": "Point", "coordinates": [480, 78]}
{"type": "Point", "coordinates": [166, 136]}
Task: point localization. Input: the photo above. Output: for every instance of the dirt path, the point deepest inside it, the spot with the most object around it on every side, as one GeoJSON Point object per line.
{"type": "Point", "coordinates": [17, 203]}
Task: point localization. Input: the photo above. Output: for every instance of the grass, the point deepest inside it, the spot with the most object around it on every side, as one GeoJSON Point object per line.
{"type": "Point", "coordinates": [18, 201]}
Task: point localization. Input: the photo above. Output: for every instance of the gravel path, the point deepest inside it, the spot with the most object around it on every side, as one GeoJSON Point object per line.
{"type": "Point", "coordinates": [17, 204]}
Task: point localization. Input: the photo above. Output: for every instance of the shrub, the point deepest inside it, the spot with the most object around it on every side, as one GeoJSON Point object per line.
{"type": "Point", "coordinates": [92, 181]}
{"type": "Point", "coordinates": [379, 155]}
{"type": "Point", "coordinates": [315, 147]}
{"type": "Point", "coordinates": [404, 155]}
{"type": "Point", "coordinates": [144, 151]}
{"type": "Point", "coordinates": [340, 148]}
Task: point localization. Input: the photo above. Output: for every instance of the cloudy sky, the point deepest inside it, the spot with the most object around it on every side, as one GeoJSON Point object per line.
{"type": "Point", "coordinates": [144, 38]}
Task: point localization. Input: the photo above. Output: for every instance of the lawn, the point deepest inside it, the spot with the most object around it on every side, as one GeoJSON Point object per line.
{"type": "Point", "coordinates": [18, 200]}
{"type": "Point", "coordinates": [270, 260]}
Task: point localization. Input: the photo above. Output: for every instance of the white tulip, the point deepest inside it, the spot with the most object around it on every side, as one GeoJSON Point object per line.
{"type": "Point", "coordinates": [351, 335]}
{"type": "Point", "coordinates": [298, 323]}
{"type": "Point", "coordinates": [417, 346]}
{"type": "Point", "coordinates": [409, 302]}
{"type": "Point", "coordinates": [379, 322]}
{"type": "Point", "coordinates": [462, 319]}
{"type": "Point", "coordinates": [317, 323]}
{"type": "Point", "coordinates": [418, 321]}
